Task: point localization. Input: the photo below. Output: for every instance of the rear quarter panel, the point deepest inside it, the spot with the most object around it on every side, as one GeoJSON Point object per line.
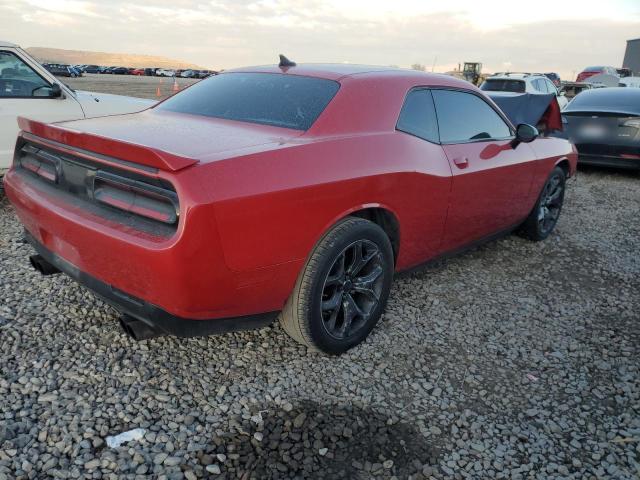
{"type": "Point", "coordinates": [271, 208]}
{"type": "Point", "coordinates": [550, 151]}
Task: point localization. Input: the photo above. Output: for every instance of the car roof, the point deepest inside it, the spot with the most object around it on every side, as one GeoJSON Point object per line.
{"type": "Point", "coordinates": [514, 76]}
{"type": "Point", "coordinates": [7, 44]}
{"type": "Point", "coordinates": [335, 71]}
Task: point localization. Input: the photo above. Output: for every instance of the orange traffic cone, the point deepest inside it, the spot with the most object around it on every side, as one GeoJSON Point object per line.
{"type": "Point", "coordinates": [158, 92]}
{"type": "Point", "coordinates": [176, 87]}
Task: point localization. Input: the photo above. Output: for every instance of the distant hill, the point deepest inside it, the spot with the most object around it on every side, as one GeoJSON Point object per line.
{"type": "Point", "coordinates": [79, 57]}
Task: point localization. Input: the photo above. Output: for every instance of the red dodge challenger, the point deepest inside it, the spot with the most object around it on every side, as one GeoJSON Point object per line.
{"type": "Point", "coordinates": [290, 190]}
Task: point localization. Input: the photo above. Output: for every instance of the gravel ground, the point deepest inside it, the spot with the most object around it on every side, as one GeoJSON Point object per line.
{"type": "Point", "coordinates": [516, 360]}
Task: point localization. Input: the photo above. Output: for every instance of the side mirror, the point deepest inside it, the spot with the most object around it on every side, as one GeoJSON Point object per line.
{"type": "Point", "coordinates": [55, 91]}
{"type": "Point", "coordinates": [525, 133]}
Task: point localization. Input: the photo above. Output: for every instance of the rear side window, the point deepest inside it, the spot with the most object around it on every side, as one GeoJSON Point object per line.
{"type": "Point", "coordinates": [551, 88]}
{"type": "Point", "coordinates": [418, 116]}
{"type": "Point", "coordinates": [540, 85]}
{"type": "Point", "coordinates": [465, 117]}
{"type": "Point", "coordinates": [279, 100]}
{"type": "Point", "coordinates": [516, 86]}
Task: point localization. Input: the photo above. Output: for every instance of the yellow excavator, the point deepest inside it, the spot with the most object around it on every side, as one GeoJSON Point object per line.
{"type": "Point", "coordinates": [471, 72]}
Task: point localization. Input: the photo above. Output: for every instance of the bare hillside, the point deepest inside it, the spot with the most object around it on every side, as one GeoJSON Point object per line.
{"type": "Point", "coordinates": [79, 57]}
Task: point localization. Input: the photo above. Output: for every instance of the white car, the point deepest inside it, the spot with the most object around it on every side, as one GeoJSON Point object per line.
{"type": "Point", "coordinates": [27, 89]}
{"type": "Point", "coordinates": [523, 83]}
{"type": "Point", "coordinates": [165, 72]}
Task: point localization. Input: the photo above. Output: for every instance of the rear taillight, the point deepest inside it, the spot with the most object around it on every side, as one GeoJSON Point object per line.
{"type": "Point", "coordinates": [42, 164]}
{"type": "Point", "coordinates": [136, 197]}
{"type": "Point", "coordinates": [634, 122]}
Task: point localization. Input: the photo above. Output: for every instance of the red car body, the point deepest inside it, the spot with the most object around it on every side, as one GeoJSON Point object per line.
{"type": "Point", "coordinates": [255, 199]}
{"type": "Point", "coordinates": [136, 71]}
{"type": "Point", "coordinates": [582, 76]}
{"type": "Point", "coordinates": [593, 71]}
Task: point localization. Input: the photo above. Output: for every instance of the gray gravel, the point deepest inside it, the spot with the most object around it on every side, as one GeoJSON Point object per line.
{"type": "Point", "coordinates": [516, 360]}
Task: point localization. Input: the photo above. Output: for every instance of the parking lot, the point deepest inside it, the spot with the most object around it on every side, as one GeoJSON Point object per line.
{"type": "Point", "coordinates": [135, 86]}
{"type": "Point", "coordinates": [514, 360]}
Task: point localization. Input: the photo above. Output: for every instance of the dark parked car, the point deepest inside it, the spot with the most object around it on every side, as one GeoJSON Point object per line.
{"type": "Point", "coordinates": [624, 72]}
{"type": "Point", "coordinates": [92, 69]}
{"type": "Point", "coordinates": [149, 72]}
{"type": "Point", "coordinates": [572, 89]}
{"type": "Point", "coordinates": [604, 125]}
{"type": "Point", "coordinates": [62, 70]}
{"type": "Point", "coordinates": [555, 78]}
{"type": "Point", "coordinates": [205, 73]}
{"type": "Point", "coordinates": [120, 71]}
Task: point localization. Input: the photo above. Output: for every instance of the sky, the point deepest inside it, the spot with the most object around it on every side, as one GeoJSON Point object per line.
{"type": "Point", "coordinates": [562, 36]}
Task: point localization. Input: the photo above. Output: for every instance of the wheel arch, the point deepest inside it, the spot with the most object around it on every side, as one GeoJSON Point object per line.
{"type": "Point", "coordinates": [564, 164]}
{"type": "Point", "coordinates": [382, 215]}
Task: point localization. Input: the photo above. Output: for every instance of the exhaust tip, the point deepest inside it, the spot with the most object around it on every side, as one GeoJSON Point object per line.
{"type": "Point", "coordinates": [137, 329]}
{"type": "Point", "coordinates": [41, 265]}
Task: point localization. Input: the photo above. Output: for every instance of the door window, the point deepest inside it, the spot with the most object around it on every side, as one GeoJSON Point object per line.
{"type": "Point", "coordinates": [418, 116]}
{"type": "Point", "coordinates": [19, 80]}
{"type": "Point", "coordinates": [465, 117]}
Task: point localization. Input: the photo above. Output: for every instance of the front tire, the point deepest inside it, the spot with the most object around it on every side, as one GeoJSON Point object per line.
{"type": "Point", "coordinates": [544, 216]}
{"type": "Point", "coordinates": [343, 288]}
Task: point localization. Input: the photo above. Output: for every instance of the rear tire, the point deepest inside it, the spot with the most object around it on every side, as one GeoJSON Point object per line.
{"type": "Point", "coordinates": [546, 212]}
{"type": "Point", "coordinates": [343, 288]}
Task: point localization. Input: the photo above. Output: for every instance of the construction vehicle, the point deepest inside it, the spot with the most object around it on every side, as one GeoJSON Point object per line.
{"type": "Point", "coordinates": [471, 72]}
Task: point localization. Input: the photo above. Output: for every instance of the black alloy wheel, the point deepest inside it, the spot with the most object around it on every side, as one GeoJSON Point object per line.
{"type": "Point", "coordinates": [343, 288]}
{"type": "Point", "coordinates": [352, 289]}
{"type": "Point", "coordinates": [545, 214]}
{"type": "Point", "coordinates": [551, 203]}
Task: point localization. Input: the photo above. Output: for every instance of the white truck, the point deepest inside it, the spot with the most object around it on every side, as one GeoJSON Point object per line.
{"type": "Point", "coordinates": [28, 90]}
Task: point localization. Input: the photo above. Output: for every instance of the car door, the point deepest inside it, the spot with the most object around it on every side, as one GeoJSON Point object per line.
{"type": "Point", "coordinates": [491, 179]}
{"type": "Point", "coordinates": [430, 187]}
{"type": "Point", "coordinates": [24, 92]}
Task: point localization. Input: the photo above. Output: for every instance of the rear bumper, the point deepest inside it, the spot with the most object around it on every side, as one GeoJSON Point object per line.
{"type": "Point", "coordinates": [184, 275]}
{"type": "Point", "coordinates": [151, 314]}
{"type": "Point", "coordinates": [609, 161]}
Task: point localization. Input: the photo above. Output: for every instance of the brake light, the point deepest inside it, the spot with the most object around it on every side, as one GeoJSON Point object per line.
{"type": "Point", "coordinates": [634, 122]}
{"type": "Point", "coordinates": [42, 164]}
{"type": "Point", "coordinates": [136, 197]}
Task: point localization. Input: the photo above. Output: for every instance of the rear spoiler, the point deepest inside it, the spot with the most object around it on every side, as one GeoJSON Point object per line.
{"type": "Point", "coordinates": [120, 150]}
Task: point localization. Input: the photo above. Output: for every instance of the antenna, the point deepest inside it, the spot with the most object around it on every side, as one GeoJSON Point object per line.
{"type": "Point", "coordinates": [285, 62]}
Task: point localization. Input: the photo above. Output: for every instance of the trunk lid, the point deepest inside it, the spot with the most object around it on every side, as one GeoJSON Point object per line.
{"type": "Point", "coordinates": [164, 140]}
{"type": "Point", "coordinates": [608, 128]}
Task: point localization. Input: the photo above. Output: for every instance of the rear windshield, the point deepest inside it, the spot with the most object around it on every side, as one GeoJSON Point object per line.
{"type": "Point", "coordinates": [607, 100]}
{"type": "Point", "coordinates": [278, 100]}
{"type": "Point", "coordinates": [593, 69]}
{"type": "Point", "coordinates": [516, 86]}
